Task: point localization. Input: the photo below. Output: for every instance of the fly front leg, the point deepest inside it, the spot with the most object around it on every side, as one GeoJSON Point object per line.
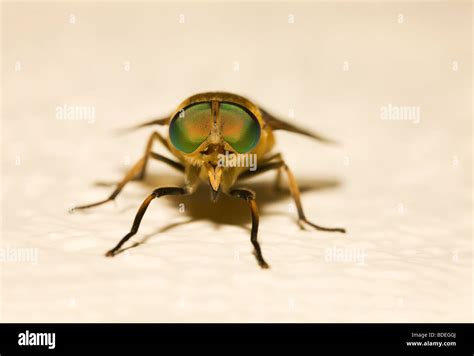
{"type": "Point", "coordinates": [249, 197]}
{"type": "Point", "coordinates": [191, 181]}
{"type": "Point", "coordinates": [141, 211]}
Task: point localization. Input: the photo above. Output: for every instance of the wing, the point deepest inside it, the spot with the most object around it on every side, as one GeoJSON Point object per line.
{"type": "Point", "coordinates": [162, 122]}
{"type": "Point", "coordinates": [277, 124]}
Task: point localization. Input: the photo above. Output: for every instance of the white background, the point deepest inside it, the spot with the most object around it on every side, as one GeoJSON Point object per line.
{"type": "Point", "coordinates": [402, 190]}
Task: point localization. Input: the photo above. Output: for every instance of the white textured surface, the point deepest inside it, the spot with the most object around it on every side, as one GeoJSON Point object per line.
{"type": "Point", "coordinates": [403, 190]}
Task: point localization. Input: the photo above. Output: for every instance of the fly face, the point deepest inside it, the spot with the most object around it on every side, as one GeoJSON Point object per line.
{"type": "Point", "coordinates": [206, 127]}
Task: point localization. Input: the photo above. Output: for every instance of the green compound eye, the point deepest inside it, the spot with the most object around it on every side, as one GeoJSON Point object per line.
{"type": "Point", "coordinates": [191, 127]}
{"type": "Point", "coordinates": [239, 128]}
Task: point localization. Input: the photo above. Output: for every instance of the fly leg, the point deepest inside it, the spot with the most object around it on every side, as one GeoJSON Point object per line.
{"type": "Point", "coordinates": [154, 136]}
{"type": "Point", "coordinates": [137, 170]}
{"type": "Point", "coordinates": [249, 197]}
{"type": "Point", "coordinates": [276, 157]}
{"type": "Point", "coordinates": [159, 192]}
{"type": "Point", "coordinates": [295, 192]}
{"type": "Point", "coordinates": [270, 163]}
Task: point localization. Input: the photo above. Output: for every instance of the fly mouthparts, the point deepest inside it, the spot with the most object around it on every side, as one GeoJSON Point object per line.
{"type": "Point", "coordinates": [215, 194]}
{"type": "Point", "coordinates": [215, 175]}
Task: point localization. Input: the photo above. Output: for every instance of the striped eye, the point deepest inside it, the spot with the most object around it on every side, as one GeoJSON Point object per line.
{"type": "Point", "coordinates": [191, 127]}
{"type": "Point", "coordinates": [239, 128]}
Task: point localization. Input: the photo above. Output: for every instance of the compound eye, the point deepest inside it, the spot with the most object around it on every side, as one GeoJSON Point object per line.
{"type": "Point", "coordinates": [190, 127]}
{"type": "Point", "coordinates": [240, 128]}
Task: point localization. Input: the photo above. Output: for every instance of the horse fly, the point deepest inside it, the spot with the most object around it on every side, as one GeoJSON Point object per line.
{"type": "Point", "coordinates": [202, 130]}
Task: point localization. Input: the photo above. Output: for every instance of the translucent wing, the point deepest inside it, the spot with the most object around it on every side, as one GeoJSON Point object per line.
{"type": "Point", "coordinates": [278, 124]}
{"type": "Point", "coordinates": [162, 122]}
